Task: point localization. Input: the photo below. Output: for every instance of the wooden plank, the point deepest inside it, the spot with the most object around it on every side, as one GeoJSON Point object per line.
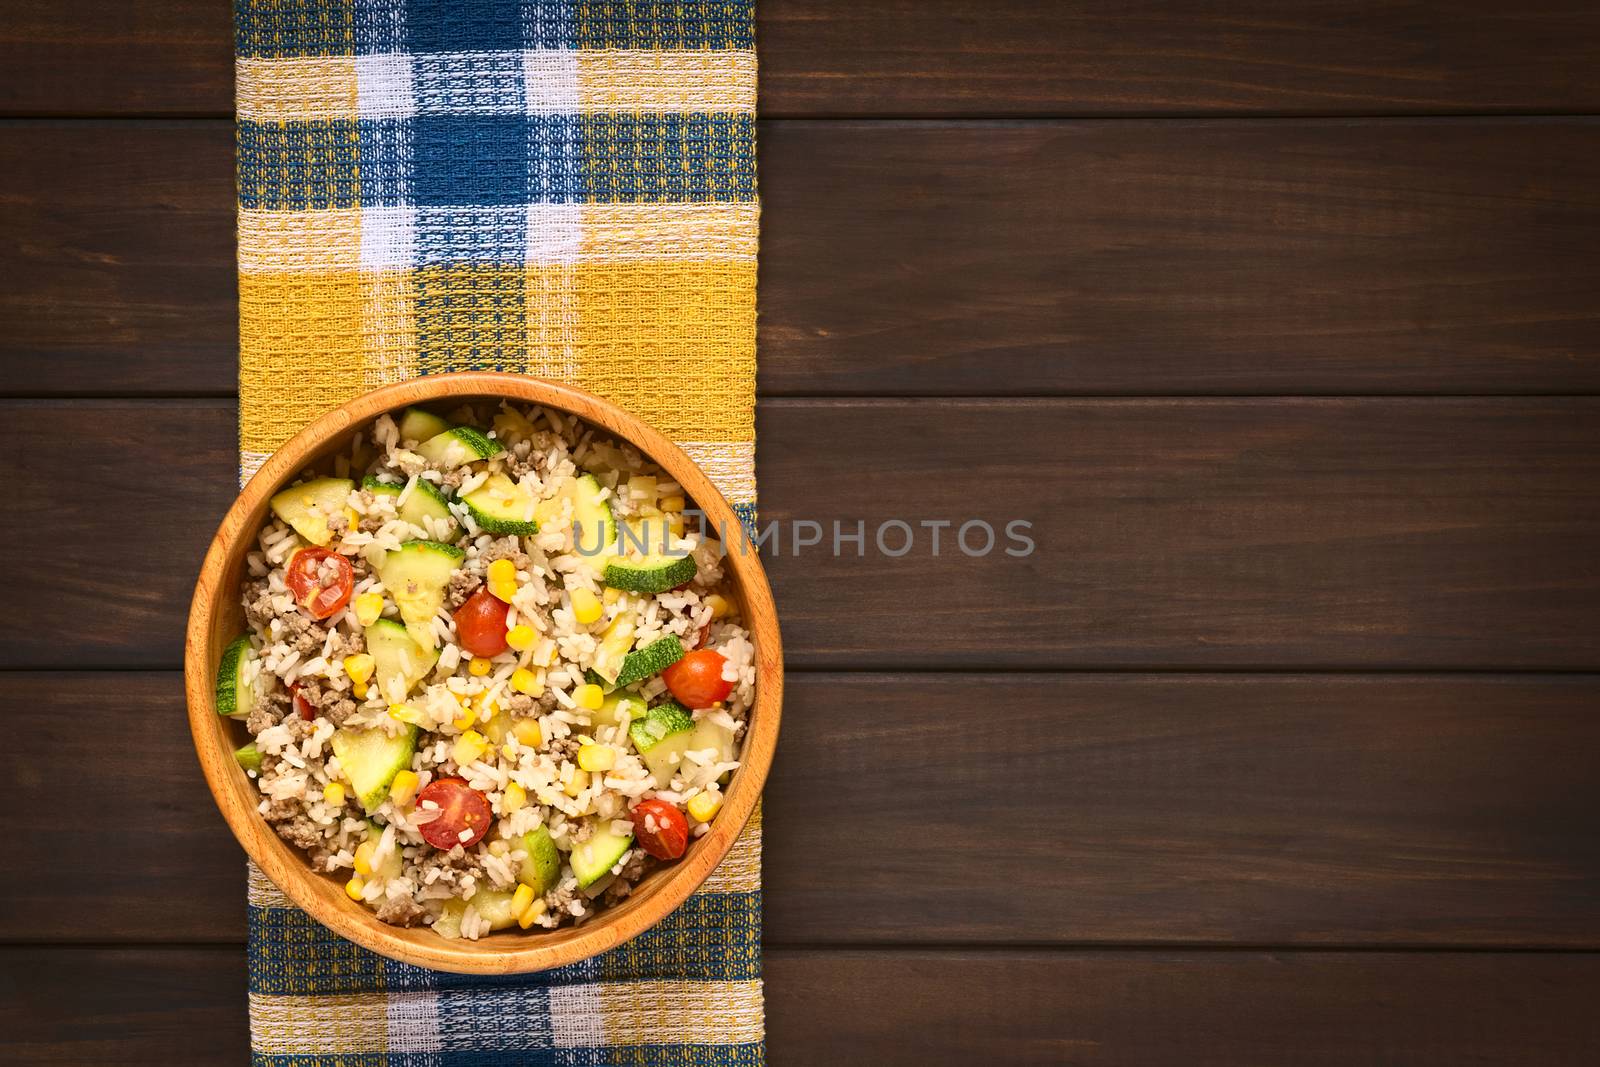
{"type": "Point", "coordinates": [1209, 533]}
{"type": "Point", "coordinates": [184, 1005]}
{"type": "Point", "coordinates": [1183, 1009]}
{"type": "Point", "coordinates": [163, 1006]}
{"type": "Point", "coordinates": [115, 504]}
{"type": "Point", "coordinates": [946, 57]}
{"type": "Point", "coordinates": [1058, 258]}
{"type": "Point", "coordinates": [118, 255]}
{"type": "Point", "coordinates": [1034, 809]}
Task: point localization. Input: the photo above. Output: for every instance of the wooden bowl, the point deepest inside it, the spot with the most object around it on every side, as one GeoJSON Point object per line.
{"type": "Point", "coordinates": [217, 616]}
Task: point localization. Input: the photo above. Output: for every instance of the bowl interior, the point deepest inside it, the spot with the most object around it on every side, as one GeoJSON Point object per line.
{"type": "Point", "coordinates": [217, 617]}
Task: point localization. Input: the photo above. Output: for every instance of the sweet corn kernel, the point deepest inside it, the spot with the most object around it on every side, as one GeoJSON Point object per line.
{"type": "Point", "coordinates": [597, 757]}
{"type": "Point", "coordinates": [465, 720]}
{"type": "Point", "coordinates": [404, 787]}
{"type": "Point", "coordinates": [355, 887]}
{"type": "Point", "coordinates": [521, 899]}
{"type": "Point", "coordinates": [528, 733]}
{"type": "Point", "coordinates": [506, 591]}
{"type": "Point", "coordinates": [611, 596]}
{"type": "Point", "coordinates": [478, 666]}
{"type": "Point", "coordinates": [363, 859]}
{"type": "Point", "coordinates": [333, 793]}
{"type": "Point", "coordinates": [704, 806]}
{"type": "Point", "coordinates": [509, 750]}
{"type": "Point", "coordinates": [498, 848]}
{"type": "Point", "coordinates": [521, 638]}
{"type": "Point", "coordinates": [675, 502]}
{"type": "Point", "coordinates": [719, 605]}
{"type": "Point", "coordinates": [359, 690]}
{"type": "Point", "coordinates": [588, 696]}
{"type": "Point", "coordinates": [586, 607]}
{"type": "Point", "coordinates": [525, 681]}
{"type": "Point", "coordinates": [360, 667]}
{"type": "Point", "coordinates": [405, 713]}
{"type": "Point", "coordinates": [513, 799]}
{"type": "Point", "coordinates": [579, 782]}
{"type": "Point", "coordinates": [468, 748]}
{"type": "Point", "coordinates": [530, 914]}
{"type": "Point", "coordinates": [502, 570]}
{"type": "Point", "coordinates": [675, 524]}
{"type": "Point", "coordinates": [369, 608]}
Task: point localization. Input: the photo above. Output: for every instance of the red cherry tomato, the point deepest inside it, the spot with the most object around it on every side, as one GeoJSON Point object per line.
{"type": "Point", "coordinates": [301, 704]}
{"type": "Point", "coordinates": [481, 623]}
{"type": "Point", "coordinates": [319, 595]}
{"type": "Point", "coordinates": [660, 829]}
{"type": "Point", "coordinates": [697, 680]}
{"type": "Point", "coordinates": [464, 808]}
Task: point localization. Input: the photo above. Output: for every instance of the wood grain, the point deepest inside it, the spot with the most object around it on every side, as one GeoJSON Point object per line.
{"type": "Point", "coordinates": [1032, 809]}
{"type": "Point", "coordinates": [117, 252]}
{"type": "Point", "coordinates": [1285, 257]}
{"type": "Point", "coordinates": [1193, 1009]}
{"type": "Point", "coordinates": [945, 57]}
{"type": "Point", "coordinates": [1211, 533]}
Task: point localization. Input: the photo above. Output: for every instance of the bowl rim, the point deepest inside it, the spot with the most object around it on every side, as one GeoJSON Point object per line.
{"type": "Point", "coordinates": [506, 952]}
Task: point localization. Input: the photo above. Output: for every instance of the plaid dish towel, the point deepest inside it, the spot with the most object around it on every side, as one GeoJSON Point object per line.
{"type": "Point", "coordinates": [560, 188]}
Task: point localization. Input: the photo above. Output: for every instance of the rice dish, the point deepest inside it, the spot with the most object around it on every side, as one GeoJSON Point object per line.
{"type": "Point", "coordinates": [494, 673]}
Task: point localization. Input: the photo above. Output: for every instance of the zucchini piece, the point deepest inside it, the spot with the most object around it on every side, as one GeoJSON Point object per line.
{"type": "Point", "coordinates": [307, 507]}
{"type": "Point", "coordinates": [426, 501]}
{"type": "Point", "coordinates": [393, 863]}
{"type": "Point", "coordinates": [594, 859]}
{"type": "Point", "coordinates": [653, 658]}
{"type": "Point", "coordinates": [619, 709]}
{"type": "Point", "coordinates": [418, 425]}
{"type": "Point", "coordinates": [594, 528]}
{"type": "Point", "coordinates": [415, 574]}
{"type": "Point", "coordinates": [649, 574]}
{"type": "Point", "coordinates": [542, 869]}
{"type": "Point", "coordinates": [612, 651]}
{"type": "Point", "coordinates": [249, 757]}
{"type": "Point", "coordinates": [399, 662]}
{"type": "Point", "coordinates": [371, 758]}
{"type": "Point", "coordinates": [493, 904]}
{"type": "Point", "coordinates": [457, 447]}
{"type": "Point", "coordinates": [662, 737]}
{"type": "Point", "coordinates": [235, 697]}
{"type": "Point", "coordinates": [501, 506]}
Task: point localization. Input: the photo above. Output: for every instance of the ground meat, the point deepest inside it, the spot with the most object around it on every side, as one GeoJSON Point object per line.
{"type": "Point", "coordinates": [401, 912]}
{"type": "Point", "coordinates": [330, 703]}
{"type": "Point", "coordinates": [337, 525]}
{"type": "Point", "coordinates": [453, 866]}
{"type": "Point", "coordinates": [347, 644]}
{"type": "Point", "coordinates": [302, 633]}
{"type": "Point", "coordinates": [509, 547]}
{"type": "Point", "coordinates": [295, 827]}
{"type": "Point", "coordinates": [638, 864]}
{"type": "Point", "coordinates": [521, 705]}
{"type": "Point", "coordinates": [258, 603]}
{"type": "Point", "coordinates": [452, 479]}
{"type": "Point", "coordinates": [371, 523]}
{"type": "Point", "coordinates": [557, 899]}
{"type": "Point", "coordinates": [531, 456]}
{"type": "Point", "coordinates": [562, 749]}
{"type": "Point", "coordinates": [268, 711]}
{"type": "Point", "coordinates": [460, 588]}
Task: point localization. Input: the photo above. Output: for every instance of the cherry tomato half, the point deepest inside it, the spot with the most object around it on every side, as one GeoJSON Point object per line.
{"type": "Point", "coordinates": [660, 829]}
{"type": "Point", "coordinates": [481, 623]}
{"type": "Point", "coordinates": [697, 680]}
{"type": "Point", "coordinates": [464, 808]}
{"type": "Point", "coordinates": [301, 704]}
{"type": "Point", "coordinates": [319, 595]}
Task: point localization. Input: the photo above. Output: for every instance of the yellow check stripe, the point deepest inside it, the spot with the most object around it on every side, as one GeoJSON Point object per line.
{"type": "Point", "coordinates": [323, 1024]}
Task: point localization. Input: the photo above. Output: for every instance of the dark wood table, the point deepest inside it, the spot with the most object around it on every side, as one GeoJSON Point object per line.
{"type": "Point", "coordinates": [1278, 320]}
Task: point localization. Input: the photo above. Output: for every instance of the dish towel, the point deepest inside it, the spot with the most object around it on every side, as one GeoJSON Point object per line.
{"type": "Point", "coordinates": [560, 188]}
